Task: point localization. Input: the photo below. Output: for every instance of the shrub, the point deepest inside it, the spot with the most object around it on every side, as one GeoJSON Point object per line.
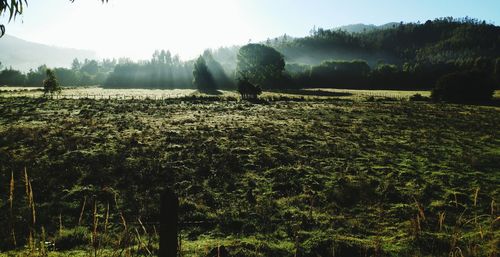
{"type": "Point", "coordinates": [418, 98]}
{"type": "Point", "coordinates": [51, 85]}
{"type": "Point", "coordinates": [72, 238]}
{"type": "Point", "coordinates": [463, 87]}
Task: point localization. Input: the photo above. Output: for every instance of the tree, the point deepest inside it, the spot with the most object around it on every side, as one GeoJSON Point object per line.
{"type": "Point", "coordinates": [385, 76]}
{"type": "Point", "coordinates": [215, 68]}
{"type": "Point", "coordinates": [202, 78]}
{"type": "Point", "coordinates": [35, 78]}
{"type": "Point", "coordinates": [247, 90]}
{"type": "Point", "coordinates": [464, 87]}
{"type": "Point", "coordinates": [12, 77]}
{"type": "Point", "coordinates": [50, 84]}
{"type": "Point", "coordinates": [340, 73]}
{"type": "Point", "coordinates": [261, 65]}
{"type": "Point", "coordinates": [76, 65]}
{"type": "Point", "coordinates": [66, 77]}
{"type": "Point", "coordinates": [91, 67]}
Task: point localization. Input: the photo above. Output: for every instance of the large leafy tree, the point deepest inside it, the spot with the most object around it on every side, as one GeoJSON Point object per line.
{"type": "Point", "coordinates": [14, 8]}
{"type": "Point", "coordinates": [260, 65]}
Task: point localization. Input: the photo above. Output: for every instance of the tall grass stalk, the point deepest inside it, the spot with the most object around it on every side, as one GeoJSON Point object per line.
{"type": "Point", "coordinates": [95, 225]}
{"type": "Point", "coordinates": [11, 203]}
{"type": "Point", "coordinates": [31, 206]}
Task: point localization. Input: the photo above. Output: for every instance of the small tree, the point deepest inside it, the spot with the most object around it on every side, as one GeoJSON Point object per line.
{"type": "Point", "coordinates": [50, 84]}
{"type": "Point", "coordinates": [202, 78]}
{"type": "Point", "coordinates": [464, 87]}
{"type": "Point", "coordinates": [247, 90]}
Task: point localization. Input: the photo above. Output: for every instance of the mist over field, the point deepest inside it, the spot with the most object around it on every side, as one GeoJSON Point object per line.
{"type": "Point", "coordinates": [249, 128]}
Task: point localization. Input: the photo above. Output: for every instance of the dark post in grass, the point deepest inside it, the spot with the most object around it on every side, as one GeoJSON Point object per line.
{"type": "Point", "coordinates": [168, 224]}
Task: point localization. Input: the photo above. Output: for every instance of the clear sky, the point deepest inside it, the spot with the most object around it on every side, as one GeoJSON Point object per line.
{"type": "Point", "coordinates": [135, 28]}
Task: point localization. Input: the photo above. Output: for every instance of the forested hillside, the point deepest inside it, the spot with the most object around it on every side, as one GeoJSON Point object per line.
{"type": "Point", "coordinates": [396, 56]}
{"type": "Point", "coordinates": [440, 40]}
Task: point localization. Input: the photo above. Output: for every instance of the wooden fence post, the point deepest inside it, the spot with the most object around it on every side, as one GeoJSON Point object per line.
{"type": "Point", "coordinates": [168, 224]}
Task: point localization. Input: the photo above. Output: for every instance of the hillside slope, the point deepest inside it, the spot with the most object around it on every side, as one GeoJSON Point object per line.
{"type": "Point", "coordinates": [24, 55]}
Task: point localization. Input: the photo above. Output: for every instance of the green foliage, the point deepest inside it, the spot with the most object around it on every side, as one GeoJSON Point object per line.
{"type": "Point", "coordinates": [340, 73]}
{"type": "Point", "coordinates": [418, 97]}
{"type": "Point", "coordinates": [435, 41]}
{"type": "Point", "coordinates": [261, 65]}
{"type": "Point", "coordinates": [70, 239]}
{"type": "Point", "coordinates": [92, 73]}
{"type": "Point", "coordinates": [12, 77]}
{"type": "Point", "coordinates": [385, 75]}
{"type": "Point", "coordinates": [76, 65]}
{"type": "Point", "coordinates": [50, 84]}
{"type": "Point", "coordinates": [464, 87]}
{"type": "Point", "coordinates": [13, 8]}
{"type": "Point", "coordinates": [337, 173]}
{"type": "Point", "coordinates": [90, 67]}
{"type": "Point", "coordinates": [220, 76]}
{"type": "Point", "coordinates": [202, 77]}
{"type": "Point", "coordinates": [162, 71]}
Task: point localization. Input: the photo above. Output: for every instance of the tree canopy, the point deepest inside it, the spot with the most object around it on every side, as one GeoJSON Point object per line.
{"type": "Point", "coordinates": [261, 65]}
{"type": "Point", "coordinates": [51, 85]}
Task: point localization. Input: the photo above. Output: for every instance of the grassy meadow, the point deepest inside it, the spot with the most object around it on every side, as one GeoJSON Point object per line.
{"type": "Point", "coordinates": [300, 173]}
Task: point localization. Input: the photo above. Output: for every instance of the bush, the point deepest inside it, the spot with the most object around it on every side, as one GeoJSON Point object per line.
{"type": "Point", "coordinates": [72, 238]}
{"type": "Point", "coordinates": [418, 98]}
{"type": "Point", "coordinates": [51, 85]}
{"type": "Point", "coordinates": [463, 87]}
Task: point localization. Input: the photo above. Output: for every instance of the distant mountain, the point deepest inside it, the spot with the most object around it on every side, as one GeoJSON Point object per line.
{"type": "Point", "coordinates": [360, 27]}
{"type": "Point", "coordinates": [24, 55]}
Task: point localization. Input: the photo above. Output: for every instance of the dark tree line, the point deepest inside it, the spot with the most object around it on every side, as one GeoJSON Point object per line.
{"type": "Point", "coordinates": [358, 74]}
{"type": "Point", "coordinates": [405, 56]}
{"type": "Point", "coordinates": [166, 72]}
{"type": "Point", "coordinates": [82, 73]}
{"type": "Point", "coordinates": [439, 40]}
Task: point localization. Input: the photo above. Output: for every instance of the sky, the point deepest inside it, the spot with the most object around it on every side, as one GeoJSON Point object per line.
{"type": "Point", "coordinates": [135, 28]}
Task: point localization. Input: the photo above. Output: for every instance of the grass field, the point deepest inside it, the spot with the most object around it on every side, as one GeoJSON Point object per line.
{"type": "Point", "coordinates": [128, 94]}
{"type": "Point", "coordinates": [315, 174]}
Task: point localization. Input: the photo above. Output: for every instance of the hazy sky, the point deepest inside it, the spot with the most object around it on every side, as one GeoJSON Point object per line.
{"type": "Point", "coordinates": [135, 28]}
